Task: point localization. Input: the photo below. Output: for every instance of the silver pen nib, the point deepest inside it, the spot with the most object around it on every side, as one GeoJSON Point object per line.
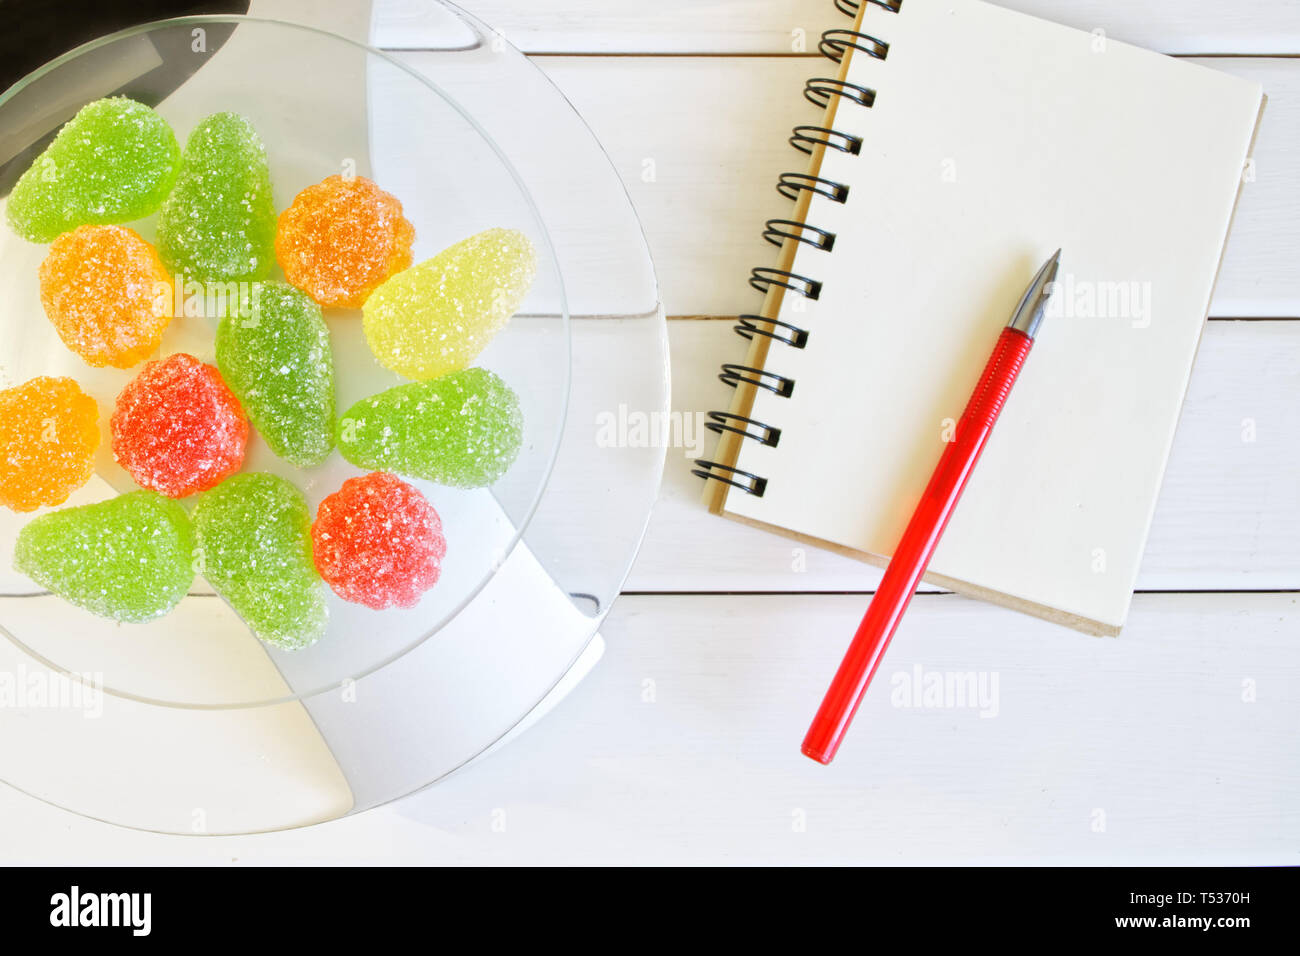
{"type": "Point", "coordinates": [1029, 313]}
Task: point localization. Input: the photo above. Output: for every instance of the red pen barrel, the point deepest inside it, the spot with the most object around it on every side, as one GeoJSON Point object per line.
{"type": "Point", "coordinates": [916, 547]}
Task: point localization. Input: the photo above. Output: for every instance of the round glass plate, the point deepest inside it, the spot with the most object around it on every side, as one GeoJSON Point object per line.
{"type": "Point", "coordinates": [188, 723]}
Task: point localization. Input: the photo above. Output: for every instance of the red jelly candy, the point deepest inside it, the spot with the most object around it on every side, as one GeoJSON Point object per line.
{"type": "Point", "coordinates": [178, 429]}
{"type": "Point", "coordinates": [377, 541]}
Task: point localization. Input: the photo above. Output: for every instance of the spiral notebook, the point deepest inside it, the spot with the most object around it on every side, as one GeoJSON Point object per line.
{"type": "Point", "coordinates": [960, 144]}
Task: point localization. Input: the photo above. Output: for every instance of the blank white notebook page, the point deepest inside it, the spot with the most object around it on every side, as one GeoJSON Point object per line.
{"type": "Point", "coordinates": [994, 139]}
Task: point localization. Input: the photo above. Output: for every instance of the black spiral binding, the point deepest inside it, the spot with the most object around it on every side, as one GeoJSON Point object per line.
{"type": "Point", "coordinates": [850, 8]}
{"type": "Point", "coordinates": [733, 375]}
{"type": "Point", "coordinates": [777, 231]}
{"type": "Point", "coordinates": [749, 326]}
{"type": "Point", "coordinates": [804, 138]}
{"type": "Point", "coordinates": [819, 90]}
{"type": "Point", "coordinates": [763, 278]}
{"type": "Point", "coordinates": [834, 45]}
{"type": "Point", "coordinates": [763, 434]}
{"type": "Point", "coordinates": [789, 185]}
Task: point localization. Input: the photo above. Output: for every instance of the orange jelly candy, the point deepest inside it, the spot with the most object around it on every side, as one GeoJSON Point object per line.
{"type": "Point", "coordinates": [340, 239]}
{"type": "Point", "coordinates": [107, 294]}
{"type": "Point", "coordinates": [49, 430]}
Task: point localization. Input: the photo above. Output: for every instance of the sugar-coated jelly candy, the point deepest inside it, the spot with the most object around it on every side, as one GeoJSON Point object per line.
{"type": "Point", "coordinates": [107, 294]}
{"type": "Point", "coordinates": [178, 429]}
{"type": "Point", "coordinates": [341, 238]}
{"type": "Point", "coordinates": [377, 541]}
{"type": "Point", "coordinates": [49, 430]}
{"type": "Point", "coordinates": [218, 224]}
{"type": "Point", "coordinates": [129, 558]}
{"type": "Point", "coordinates": [436, 317]}
{"type": "Point", "coordinates": [277, 359]}
{"type": "Point", "coordinates": [463, 429]}
{"type": "Point", "coordinates": [113, 162]}
{"type": "Point", "coordinates": [253, 536]}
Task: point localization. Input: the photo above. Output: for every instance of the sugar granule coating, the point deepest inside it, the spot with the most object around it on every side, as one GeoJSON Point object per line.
{"type": "Point", "coordinates": [113, 162]}
{"type": "Point", "coordinates": [49, 430]}
{"type": "Point", "coordinates": [253, 533]}
{"type": "Point", "coordinates": [436, 317]}
{"type": "Point", "coordinates": [129, 558]}
{"type": "Point", "coordinates": [277, 360]}
{"type": "Point", "coordinates": [377, 541]}
{"type": "Point", "coordinates": [341, 238]}
{"type": "Point", "coordinates": [107, 294]}
{"type": "Point", "coordinates": [177, 428]}
{"type": "Point", "coordinates": [463, 429]}
{"type": "Point", "coordinates": [218, 224]}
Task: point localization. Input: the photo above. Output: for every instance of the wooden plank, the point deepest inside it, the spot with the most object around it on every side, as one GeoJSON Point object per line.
{"type": "Point", "coordinates": [1228, 515]}
{"type": "Point", "coordinates": [1172, 744]}
{"type": "Point", "coordinates": [1142, 735]}
{"type": "Point", "coordinates": [784, 26]}
{"type": "Point", "coordinates": [703, 185]}
{"type": "Point", "coordinates": [1259, 275]}
{"type": "Point", "coordinates": [699, 144]}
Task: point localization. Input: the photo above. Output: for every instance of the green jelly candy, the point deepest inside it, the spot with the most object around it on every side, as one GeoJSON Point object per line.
{"type": "Point", "coordinates": [275, 356]}
{"type": "Point", "coordinates": [254, 548]}
{"type": "Point", "coordinates": [436, 317]}
{"type": "Point", "coordinates": [113, 162]}
{"type": "Point", "coordinates": [129, 558]}
{"type": "Point", "coordinates": [463, 429]}
{"type": "Point", "coordinates": [218, 224]}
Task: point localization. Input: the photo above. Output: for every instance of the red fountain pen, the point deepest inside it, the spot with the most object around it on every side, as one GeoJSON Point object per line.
{"type": "Point", "coordinates": [928, 521]}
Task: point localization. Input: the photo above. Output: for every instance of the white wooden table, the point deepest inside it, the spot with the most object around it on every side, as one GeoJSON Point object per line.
{"type": "Point", "coordinates": [1176, 742]}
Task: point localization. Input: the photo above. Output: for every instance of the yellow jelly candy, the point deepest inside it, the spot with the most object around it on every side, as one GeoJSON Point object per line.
{"type": "Point", "coordinates": [436, 317]}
